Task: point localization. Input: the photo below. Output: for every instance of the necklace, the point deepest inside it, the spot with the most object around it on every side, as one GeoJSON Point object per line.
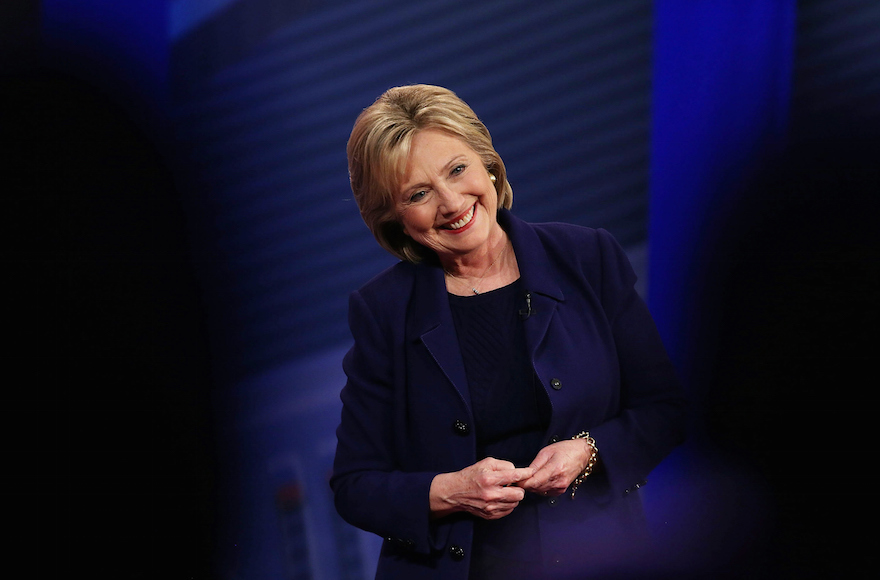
{"type": "Point", "coordinates": [486, 271]}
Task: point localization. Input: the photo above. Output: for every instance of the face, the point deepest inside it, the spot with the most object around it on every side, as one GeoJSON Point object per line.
{"type": "Point", "coordinates": [447, 202]}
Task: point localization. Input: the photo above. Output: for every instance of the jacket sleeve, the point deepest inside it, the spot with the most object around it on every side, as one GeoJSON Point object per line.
{"type": "Point", "coordinates": [370, 491]}
{"type": "Point", "coordinates": [652, 406]}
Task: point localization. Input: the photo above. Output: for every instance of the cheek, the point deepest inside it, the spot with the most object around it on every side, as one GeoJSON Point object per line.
{"type": "Point", "coordinates": [414, 221]}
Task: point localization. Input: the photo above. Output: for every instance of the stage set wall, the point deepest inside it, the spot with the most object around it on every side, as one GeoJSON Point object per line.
{"type": "Point", "coordinates": [657, 120]}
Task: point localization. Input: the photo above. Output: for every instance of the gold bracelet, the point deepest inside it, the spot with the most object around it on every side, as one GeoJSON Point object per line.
{"type": "Point", "coordinates": [590, 463]}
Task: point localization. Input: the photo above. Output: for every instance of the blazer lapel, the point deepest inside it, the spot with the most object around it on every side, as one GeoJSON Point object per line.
{"type": "Point", "coordinates": [536, 277]}
{"type": "Point", "coordinates": [430, 321]}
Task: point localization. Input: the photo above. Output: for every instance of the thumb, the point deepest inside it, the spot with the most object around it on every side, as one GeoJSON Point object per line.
{"type": "Point", "coordinates": [540, 459]}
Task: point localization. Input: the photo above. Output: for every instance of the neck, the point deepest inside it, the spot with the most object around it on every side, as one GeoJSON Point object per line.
{"type": "Point", "coordinates": [475, 263]}
{"type": "Point", "coordinates": [492, 267]}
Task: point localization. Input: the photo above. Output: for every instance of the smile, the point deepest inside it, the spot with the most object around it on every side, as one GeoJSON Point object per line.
{"type": "Point", "coordinates": [462, 221]}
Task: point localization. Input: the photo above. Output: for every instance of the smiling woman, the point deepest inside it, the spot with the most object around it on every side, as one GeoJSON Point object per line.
{"type": "Point", "coordinates": [381, 163]}
{"type": "Point", "coordinates": [490, 366]}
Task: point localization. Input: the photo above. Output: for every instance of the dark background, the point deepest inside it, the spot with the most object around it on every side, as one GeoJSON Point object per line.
{"type": "Point", "coordinates": [141, 292]}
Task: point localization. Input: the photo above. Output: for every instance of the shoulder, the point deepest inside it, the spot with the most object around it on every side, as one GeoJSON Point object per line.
{"type": "Point", "coordinates": [563, 238]}
{"type": "Point", "coordinates": [401, 273]}
{"type": "Point", "coordinates": [378, 307]}
{"type": "Point", "coordinates": [389, 287]}
{"type": "Point", "coordinates": [582, 238]}
{"type": "Point", "coordinates": [572, 244]}
{"type": "Point", "coordinates": [576, 254]}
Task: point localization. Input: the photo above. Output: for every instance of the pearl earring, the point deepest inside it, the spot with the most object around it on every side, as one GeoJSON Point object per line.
{"type": "Point", "coordinates": [492, 177]}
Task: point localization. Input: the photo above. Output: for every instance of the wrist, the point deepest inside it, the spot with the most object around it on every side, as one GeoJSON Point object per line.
{"type": "Point", "coordinates": [592, 458]}
{"type": "Point", "coordinates": [439, 495]}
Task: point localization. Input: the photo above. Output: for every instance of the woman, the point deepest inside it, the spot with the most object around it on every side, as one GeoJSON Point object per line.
{"type": "Point", "coordinates": [497, 367]}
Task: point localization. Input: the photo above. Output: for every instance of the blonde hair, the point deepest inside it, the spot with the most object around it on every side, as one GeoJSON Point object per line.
{"type": "Point", "coordinates": [379, 146]}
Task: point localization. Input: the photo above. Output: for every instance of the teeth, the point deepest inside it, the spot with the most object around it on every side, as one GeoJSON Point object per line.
{"type": "Point", "coordinates": [463, 221]}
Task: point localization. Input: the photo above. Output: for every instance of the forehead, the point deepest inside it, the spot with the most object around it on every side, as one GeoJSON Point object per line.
{"type": "Point", "coordinates": [430, 151]}
{"type": "Point", "coordinates": [428, 143]}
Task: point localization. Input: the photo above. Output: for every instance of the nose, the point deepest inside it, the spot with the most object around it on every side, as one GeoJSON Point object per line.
{"type": "Point", "coordinates": [450, 201]}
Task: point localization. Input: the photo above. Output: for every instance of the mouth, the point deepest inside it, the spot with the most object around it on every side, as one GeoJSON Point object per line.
{"type": "Point", "coordinates": [461, 222]}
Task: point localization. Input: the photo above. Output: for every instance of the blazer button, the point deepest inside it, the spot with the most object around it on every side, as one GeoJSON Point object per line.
{"type": "Point", "coordinates": [556, 384]}
{"type": "Point", "coordinates": [456, 553]}
{"type": "Point", "coordinates": [461, 428]}
{"type": "Point", "coordinates": [554, 439]}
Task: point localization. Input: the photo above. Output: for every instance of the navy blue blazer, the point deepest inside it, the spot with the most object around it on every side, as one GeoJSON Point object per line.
{"type": "Point", "coordinates": [406, 407]}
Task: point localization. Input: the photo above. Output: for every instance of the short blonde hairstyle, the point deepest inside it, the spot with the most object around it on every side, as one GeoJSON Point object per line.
{"type": "Point", "coordinates": [379, 146]}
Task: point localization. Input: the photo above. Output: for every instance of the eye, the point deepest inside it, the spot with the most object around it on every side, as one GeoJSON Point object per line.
{"type": "Point", "coordinates": [417, 196]}
{"type": "Point", "coordinates": [458, 169]}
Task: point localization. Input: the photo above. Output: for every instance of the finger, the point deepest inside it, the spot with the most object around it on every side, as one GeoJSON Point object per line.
{"type": "Point", "coordinates": [519, 474]}
{"type": "Point", "coordinates": [492, 464]}
{"type": "Point", "coordinates": [488, 472]}
{"type": "Point", "coordinates": [546, 481]}
{"type": "Point", "coordinates": [512, 494]}
{"type": "Point", "coordinates": [496, 514]}
{"type": "Point", "coordinates": [505, 474]}
{"type": "Point", "coordinates": [502, 506]}
{"type": "Point", "coordinates": [543, 470]}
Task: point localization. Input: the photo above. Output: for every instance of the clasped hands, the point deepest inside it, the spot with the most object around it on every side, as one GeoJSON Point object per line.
{"type": "Point", "coordinates": [492, 488]}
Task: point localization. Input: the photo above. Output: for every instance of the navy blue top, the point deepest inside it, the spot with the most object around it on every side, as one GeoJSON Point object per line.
{"type": "Point", "coordinates": [511, 414]}
{"type": "Point", "coordinates": [510, 407]}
